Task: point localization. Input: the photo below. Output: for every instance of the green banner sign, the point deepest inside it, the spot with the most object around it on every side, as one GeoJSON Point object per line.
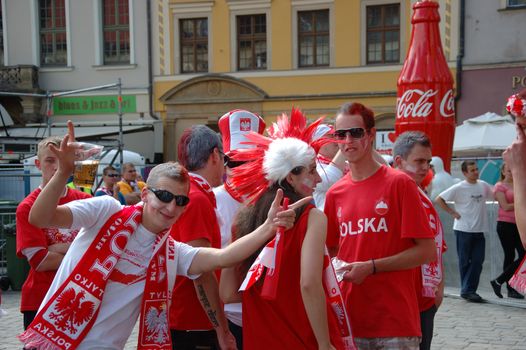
{"type": "Point", "coordinates": [93, 105]}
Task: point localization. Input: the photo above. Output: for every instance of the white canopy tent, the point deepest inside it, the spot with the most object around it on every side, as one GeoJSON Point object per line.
{"type": "Point", "coordinates": [486, 135]}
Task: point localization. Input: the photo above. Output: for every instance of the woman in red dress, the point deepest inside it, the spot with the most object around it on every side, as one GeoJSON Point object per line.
{"type": "Point", "coordinates": [288, 307]}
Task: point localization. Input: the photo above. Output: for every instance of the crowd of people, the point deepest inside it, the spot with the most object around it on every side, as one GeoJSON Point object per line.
{"type": "Point", "coordinates": [232, 246]}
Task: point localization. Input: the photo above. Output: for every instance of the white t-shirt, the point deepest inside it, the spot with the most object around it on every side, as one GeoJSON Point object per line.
{"type": "Point", "coordinates": [470, 203]}
{"type": "Point", "coordinates": [226, 211]}
{"type": "Point", "coordinates": [329, 174]}
{"type": "Point", "coordinates": [123, 294]}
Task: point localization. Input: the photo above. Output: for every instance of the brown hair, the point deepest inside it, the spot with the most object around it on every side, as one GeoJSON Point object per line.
{"type": "Point", "coordinates": [107, 169]}
{"type": "Point", "coordinates": [52, 140]}
{"type": "Point", "coordinates": [465, 164]}
{"type": "Point", "coordinates": [252, 216]}
{"type": "Point", "coordinates": [356, 108]}
{"type": "Point", "coordinates": [170, 170]}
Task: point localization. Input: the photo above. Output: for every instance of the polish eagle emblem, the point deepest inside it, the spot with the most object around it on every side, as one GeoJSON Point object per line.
{"type": "Point", "coordinates": [156, 322]}
{"type": "Point", "coordinates": [244, 124]}
{"type": "Point", "coordinates": [432, 268]}
{"type": "Point", "coordinates": [71, 311]}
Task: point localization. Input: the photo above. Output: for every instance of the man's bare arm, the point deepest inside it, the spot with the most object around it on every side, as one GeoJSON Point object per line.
{"type": "Point", "coordinates": [442, 204]}
{"type": "Point", "coordinates": [424, 251]}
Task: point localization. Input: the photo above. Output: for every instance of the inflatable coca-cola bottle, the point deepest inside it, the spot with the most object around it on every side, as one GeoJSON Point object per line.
{"type": "Point", "coordinates": [425, 99]}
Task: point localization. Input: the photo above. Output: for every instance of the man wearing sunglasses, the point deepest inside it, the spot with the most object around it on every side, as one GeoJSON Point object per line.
{"type": "Point", "coordinates": [123, 262]}
{"type": "Point", "coordinates": [197, 319]}
{"type": "Point", "coordinates": [377, 224]}
{"type": "Point", "coordinates": [110, 178]}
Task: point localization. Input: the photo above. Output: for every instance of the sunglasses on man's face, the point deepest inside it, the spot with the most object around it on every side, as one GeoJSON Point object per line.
{"type": "Point", "coordinates": [113, 175]}
{"type": "Point", "coordinates": [167, 196]}
{"type": "Point", "coordinates": [231, 163]}
{"type": "Point", "coordinates": [355, 133]}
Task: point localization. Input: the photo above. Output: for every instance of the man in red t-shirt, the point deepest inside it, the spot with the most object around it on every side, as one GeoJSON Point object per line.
{"type": "Point", "coordinates": [196, 309]}
{"type": "Point", "coordinates": [377, 224]}
{"type": "Point", "coordinates": [45, 248]}
{"type": "Point", "coordinates": [412, 155]}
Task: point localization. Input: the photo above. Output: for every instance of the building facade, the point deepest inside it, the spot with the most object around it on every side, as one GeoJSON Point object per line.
{"type": "Point", "coordinates": [55, 46]}
{"type": "Point", "coordinates": [494, 62]}
{"type": "Point", "coordinates": [268, 55]}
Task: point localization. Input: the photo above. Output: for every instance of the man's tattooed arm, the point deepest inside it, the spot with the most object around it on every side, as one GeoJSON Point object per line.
{"type": "Point", "coordinates": [207, 291]}
{"type": "Point", "coordinates": [206, 306]}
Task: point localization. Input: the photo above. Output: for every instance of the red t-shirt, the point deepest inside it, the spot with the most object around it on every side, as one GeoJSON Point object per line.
{"type": "Point", "coordinates": [198, 221]}
{"type": "Point", "coordinates": [371, 219]}
{"type": "Point", "coordinates": [283, 323]}
{"type": "Point", "coordinates": [424, 303]}
{"type": "Point", "coordinates": [28, 236]}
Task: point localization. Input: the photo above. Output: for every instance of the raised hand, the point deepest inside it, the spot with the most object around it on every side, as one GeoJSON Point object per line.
{"type": "Point", "coordinates": [285, 218]}
{"type": "Point", "coordinates": [67, 152]}
{"type": "Point", "coordinates": [515, 154]}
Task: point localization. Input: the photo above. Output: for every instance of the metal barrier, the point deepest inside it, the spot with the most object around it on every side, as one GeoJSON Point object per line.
{"type": "Point", "coordinates": [494, 255]}
{"type": "Point", "coordinates": [7, 227]}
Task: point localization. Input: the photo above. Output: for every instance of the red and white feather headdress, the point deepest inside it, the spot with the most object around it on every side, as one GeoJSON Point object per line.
{"type": "Point", "coordinates": [290, 144]}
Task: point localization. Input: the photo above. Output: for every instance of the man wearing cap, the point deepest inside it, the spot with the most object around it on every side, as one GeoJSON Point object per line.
{"type": "Point", "coordinates": [197, 319]}
{"type": "Point", "coordinates": [233, 126]}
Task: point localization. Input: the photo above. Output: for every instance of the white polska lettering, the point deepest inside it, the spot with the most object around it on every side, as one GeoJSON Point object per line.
{"type": "Point", "coordinates": [49, 333]}
{"type": "Point", "coordinates": [364, 225]}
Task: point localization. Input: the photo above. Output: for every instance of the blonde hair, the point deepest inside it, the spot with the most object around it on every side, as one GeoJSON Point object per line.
{"type": "Point", "coordinates": [52, 140]}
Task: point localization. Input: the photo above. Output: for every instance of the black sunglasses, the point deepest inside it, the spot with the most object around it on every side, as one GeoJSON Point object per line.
{"type": "Point", "coordinates": [231, 163]}
{"type": "Point", "coordinates": [355, 133]}
{"type": "Point", "coordinates": [167, 196]}
{"type": "Point", "coordinates": [113, 175]}
{"type": "Point", "coordinates": [225, 157]}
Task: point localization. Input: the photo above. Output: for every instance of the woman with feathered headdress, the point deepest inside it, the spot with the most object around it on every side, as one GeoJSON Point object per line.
{"type": "Point", "coordinates": [288, 285]}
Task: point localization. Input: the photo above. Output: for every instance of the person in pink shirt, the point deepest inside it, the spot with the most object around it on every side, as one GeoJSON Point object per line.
{"type": "Point", "coordinates": [508, 233]}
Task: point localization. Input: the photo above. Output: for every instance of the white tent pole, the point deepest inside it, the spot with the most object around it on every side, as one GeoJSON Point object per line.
{"type": "Point", "coordinates": [121, 139]}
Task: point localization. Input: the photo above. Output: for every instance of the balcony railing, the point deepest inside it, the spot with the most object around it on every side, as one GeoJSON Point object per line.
{"type": "Point", "coordinates": [21, 78]}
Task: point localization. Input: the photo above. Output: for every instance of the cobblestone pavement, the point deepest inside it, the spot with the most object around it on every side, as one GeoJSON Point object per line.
{"type": "Point", "coordinates": [497, 324]}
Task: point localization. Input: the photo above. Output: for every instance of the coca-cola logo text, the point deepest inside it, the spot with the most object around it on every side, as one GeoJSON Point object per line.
{"type": "Point", "coordinates": [416, 103]}
{"type": "Point", "coordinates": [447, 105]}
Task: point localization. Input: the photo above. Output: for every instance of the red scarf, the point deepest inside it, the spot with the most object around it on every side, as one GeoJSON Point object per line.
{"type": "Point", "coordinates": [71, 312]}
{"type": "Point", "coordinates": [518, 281]}
{"type": "Point", "coordinates": [204, 186]}
{"type": "Point", "coordinates": [432, 272]}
